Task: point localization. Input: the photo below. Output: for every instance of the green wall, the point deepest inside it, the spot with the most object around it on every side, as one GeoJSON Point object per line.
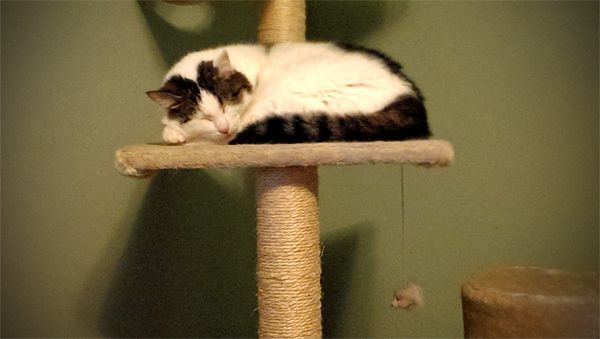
{"type": "Point", "coordinates": [87, 252]}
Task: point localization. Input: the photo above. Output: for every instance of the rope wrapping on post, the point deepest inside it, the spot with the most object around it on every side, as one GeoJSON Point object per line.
{"type": "Point", "coordinates": [281, 21]}
{"type": "Point", "coordinates": [289, 263]}
{"type": "Point", "coordinates": [289, 259]}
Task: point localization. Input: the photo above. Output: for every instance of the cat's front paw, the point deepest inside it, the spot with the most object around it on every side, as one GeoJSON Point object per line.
{"type": "Point", "coordinates": [172, 136]}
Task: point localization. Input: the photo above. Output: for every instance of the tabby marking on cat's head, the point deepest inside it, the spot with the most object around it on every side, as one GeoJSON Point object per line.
{"type": "Point", "coordinates": [207, 108]}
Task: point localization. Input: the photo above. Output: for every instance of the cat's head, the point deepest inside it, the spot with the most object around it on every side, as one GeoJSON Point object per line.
{"type": "Point", "coordinates": [207, 108]}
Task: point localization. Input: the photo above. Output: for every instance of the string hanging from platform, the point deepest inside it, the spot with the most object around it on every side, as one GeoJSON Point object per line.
{"type": "Point", "coordinates": [403, 225]}
{"type": "Point", "coordinates": [409, 295]}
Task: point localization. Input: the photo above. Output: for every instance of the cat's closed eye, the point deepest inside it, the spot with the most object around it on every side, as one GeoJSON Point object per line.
{"type": "Point", "coordinates": [183, 119]}
{"type": "Point", "coordinates": [236, 94]}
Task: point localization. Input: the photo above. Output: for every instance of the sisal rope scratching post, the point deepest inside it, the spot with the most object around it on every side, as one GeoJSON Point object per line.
{"type": "Point", "coordinates": [282, 21]}
{"type": "Point", "coordinates": [289, 262]}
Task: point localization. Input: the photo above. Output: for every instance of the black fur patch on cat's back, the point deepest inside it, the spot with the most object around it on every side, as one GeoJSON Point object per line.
{"type": "Point", "coordinates": [405, 118]}
{"type": "Point", "coordinates": [390, 63]}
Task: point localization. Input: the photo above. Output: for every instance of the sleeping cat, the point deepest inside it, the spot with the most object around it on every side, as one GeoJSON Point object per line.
{"type": "Point", "coordinates": [289, 93]}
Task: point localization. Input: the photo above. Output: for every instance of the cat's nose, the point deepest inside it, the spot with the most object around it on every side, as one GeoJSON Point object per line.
{"type": "Point", "coordinates": [222, 126]}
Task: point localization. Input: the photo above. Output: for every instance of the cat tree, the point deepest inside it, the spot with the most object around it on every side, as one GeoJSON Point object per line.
{"type": "Point", "coordinates": [289, 251]}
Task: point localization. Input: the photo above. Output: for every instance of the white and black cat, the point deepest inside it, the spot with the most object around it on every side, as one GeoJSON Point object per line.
{"type": "Point", "coordinates": [289, 93]}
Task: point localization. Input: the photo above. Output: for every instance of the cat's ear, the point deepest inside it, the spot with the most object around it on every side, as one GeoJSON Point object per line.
{"type": "Point", "coordinates": [164, 99]}
{"type": "Point", "coordinates": [223, 65]}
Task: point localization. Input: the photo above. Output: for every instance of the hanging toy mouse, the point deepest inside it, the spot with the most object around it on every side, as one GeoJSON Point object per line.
{"type": "Point", "coordinates": [408, 297]}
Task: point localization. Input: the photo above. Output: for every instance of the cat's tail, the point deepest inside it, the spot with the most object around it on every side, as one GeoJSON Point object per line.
{"type": "Point", "coordinates": [403, 119]}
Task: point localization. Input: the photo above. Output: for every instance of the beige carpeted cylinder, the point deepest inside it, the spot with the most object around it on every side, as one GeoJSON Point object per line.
{"type": "Point", "coordinates": [529, 302]}
{"type": "Point", "coordinates": [289, 262]}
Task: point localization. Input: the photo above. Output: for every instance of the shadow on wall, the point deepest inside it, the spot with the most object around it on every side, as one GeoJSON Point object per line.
{"type": "Point", "coordinates": [340, 21]}
{"type": "Point", "coordinates": [219, 23]}
{"type": "Point", "coordinates": [188, 269]}
{"type": "Point", "coordinates": [341, 251]}
{"type": "Point", "coordinates": [177, 32]}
